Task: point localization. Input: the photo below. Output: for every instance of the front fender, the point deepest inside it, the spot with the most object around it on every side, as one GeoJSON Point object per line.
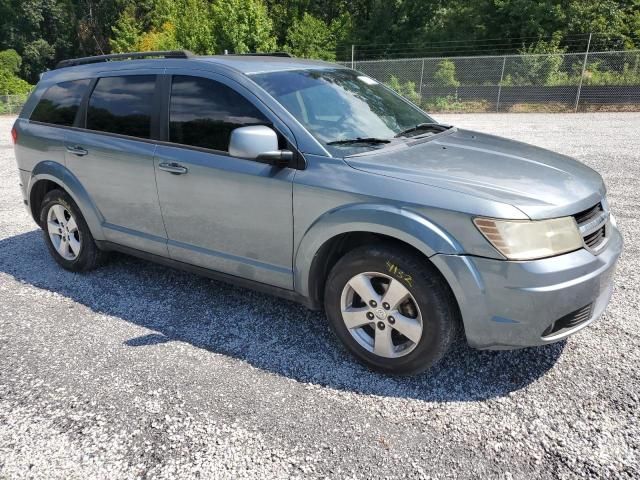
{"type": "Point", "coordinates": [395, 222]}
{"type": "Point", "coordinates": [58, 173]}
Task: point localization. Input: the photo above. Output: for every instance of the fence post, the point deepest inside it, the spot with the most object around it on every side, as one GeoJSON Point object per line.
{"type": "Point", "coordinates": [504, 62]}
{"type": "Point", "coordinates": [353, 51]}
{"type": "Point", "coordinates": [421, 78]}
{"type": "Point", "coordinates": [584, 68]}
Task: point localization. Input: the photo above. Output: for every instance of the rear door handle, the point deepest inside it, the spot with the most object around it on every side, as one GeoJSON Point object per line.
{"type": "Point", "coordinates": [174, 168]}
{"type": "Point", "coordinates": [77, 150]}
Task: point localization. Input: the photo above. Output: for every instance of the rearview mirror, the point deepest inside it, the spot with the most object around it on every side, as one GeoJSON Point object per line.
{"type": "Point", "coordinates": [260, 143]}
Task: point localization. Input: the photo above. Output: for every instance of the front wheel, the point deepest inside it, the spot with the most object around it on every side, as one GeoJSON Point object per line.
{"type": "Point", "coordinates": [391, 308]}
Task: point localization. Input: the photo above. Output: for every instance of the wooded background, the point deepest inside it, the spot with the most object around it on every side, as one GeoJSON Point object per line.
{"type": "Point", "coordinates": [35, 34]}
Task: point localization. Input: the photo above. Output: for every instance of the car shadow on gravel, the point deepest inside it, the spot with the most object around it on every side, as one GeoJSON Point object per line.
{"type": "Point", "coordinates": [269, 333]}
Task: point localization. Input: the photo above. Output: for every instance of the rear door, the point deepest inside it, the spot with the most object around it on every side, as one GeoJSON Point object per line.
{"type": "Point", "coordinates": [113, 158]}
{"type": "Point", "coordinates": [228, 214]}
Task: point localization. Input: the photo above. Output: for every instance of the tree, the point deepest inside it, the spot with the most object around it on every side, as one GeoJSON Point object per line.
{"type": "Point", "coordinates": [95, 19]}
{"type": "Point", "coordinates": [126, 32]}
{"type": "Point", "coordinates": [163, 38]}
{"type": "Point", "coordinates": [37, 57]}
{"type": "Point", "coordinates": [193, 26]}
{"type": "Point", "coordinates": [314, 28]}
{"type": "Point", "coordinates": [242, 26]}
{"type": "Point", "coordinates": [312, 38]}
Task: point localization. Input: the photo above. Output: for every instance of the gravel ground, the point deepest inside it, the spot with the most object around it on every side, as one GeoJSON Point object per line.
{"type": "Point", "coordinates": [136, 370]}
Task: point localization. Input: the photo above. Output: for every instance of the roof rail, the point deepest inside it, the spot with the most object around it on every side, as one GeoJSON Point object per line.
{"type": "Point", "coordinates": [72, 62]}
{"type": "Point", "coordinates": [266, 54]}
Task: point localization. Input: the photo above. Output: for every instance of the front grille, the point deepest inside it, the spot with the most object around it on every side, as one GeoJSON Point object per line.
{"type": "Point", "coordinates": [569, 321]}
{"type": "Point", "coordinates": [588, 214]}
{"type": "Point", "coordinates": [593, 239]}
{"type": "Point", "coordinates": [596, 238]}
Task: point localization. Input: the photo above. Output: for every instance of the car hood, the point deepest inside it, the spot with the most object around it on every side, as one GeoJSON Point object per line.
{"type": "Point", "coordinates": [540, 183]}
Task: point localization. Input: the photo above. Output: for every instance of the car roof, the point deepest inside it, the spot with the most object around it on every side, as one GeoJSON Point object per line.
{"type": "Point", "coordinates": [244, 64]}
{"type": "Point", "coordinates": [249, 64]}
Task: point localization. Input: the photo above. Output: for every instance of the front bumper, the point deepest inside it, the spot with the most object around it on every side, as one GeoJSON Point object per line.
{"type": "Point", "coordinates": [510, 304]}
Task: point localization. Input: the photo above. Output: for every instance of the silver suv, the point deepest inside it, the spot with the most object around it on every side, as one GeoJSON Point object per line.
{"type": "Point", "coordinates": [317, 183]}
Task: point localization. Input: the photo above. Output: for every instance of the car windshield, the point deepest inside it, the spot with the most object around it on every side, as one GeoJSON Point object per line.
{"type": "Point", "coordinates": [344, 110]}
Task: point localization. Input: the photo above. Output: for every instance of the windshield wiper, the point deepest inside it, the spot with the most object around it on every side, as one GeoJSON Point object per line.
{"type": "Point", "coordinates": [355, 141]}
{"type": "Point", "coordinates": [433, 127]}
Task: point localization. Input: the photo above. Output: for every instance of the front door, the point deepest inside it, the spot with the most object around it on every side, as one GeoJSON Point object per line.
{"type": "Point", "coordinates": [228, 214]}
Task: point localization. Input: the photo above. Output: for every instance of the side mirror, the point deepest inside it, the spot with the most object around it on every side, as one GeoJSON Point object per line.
{"type": "Point", "coordinates": [260, 143]}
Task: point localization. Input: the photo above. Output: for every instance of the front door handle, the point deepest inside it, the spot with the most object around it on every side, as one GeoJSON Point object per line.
{"type": "Point", "coordinates": [174, 168]}
{"type": "Point", "coordinates": [77, 150]}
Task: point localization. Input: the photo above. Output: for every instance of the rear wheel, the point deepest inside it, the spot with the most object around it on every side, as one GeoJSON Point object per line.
{"type": "Point", "coordinates": [391, 308]}
{"type": "Point", "coordinates": [66, 233]}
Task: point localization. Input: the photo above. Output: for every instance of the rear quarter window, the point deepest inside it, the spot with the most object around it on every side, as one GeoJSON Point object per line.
{"type": "Point", "coordinates": [60, 103]}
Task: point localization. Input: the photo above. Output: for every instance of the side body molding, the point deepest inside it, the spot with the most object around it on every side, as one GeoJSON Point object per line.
{"type": "Point", "coordinates": [395, 222]}
{"type": "Point", "coordinates": [58, 173]}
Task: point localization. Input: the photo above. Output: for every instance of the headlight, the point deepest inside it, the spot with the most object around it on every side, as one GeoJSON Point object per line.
{"type": "Point", "coordinates": [530, 239]}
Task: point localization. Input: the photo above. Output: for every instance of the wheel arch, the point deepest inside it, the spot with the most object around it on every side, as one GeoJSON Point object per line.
{"type": "Point", "coordinates": [341, 230]}
{"type": "Point", "coordinates": [49, 175]}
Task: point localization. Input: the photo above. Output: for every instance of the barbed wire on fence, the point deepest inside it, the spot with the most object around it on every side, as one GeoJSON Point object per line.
{"type": "Point", "coordinates": [574, 43]}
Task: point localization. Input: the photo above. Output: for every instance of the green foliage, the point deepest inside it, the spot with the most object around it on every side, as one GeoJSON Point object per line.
{"type": "Point", "coordinates": [539, 64]}
{"type": "Point", "coordinates": [197, 25]}
{"type": "Point", "coordinates": [445, 75]}
{"type": "Point", "coordinates": [126, 31]}
{"type": "Point", "coordinates": [450, 103]}
{"type": "Point", "coordinates": [310, 37]}
{"type": "Point", "coordinates": [13, 85]}
{"type": "Point", "coordinates": [10, 61]}
{"type": "Point", "coordinates": [242, 26]}
{"type": "Point", "coordinates": [193, 26]}
{"type": "Point", "coordinates": [36, 57]}
{"type": "Point", "coordinates": [407, 89]}
{"type": "Point", "coordinates": [43, 32]}
{"type": "Point", "coordinates": [597, 74]}
{"type": "Point", "coordinates": [10, 83]}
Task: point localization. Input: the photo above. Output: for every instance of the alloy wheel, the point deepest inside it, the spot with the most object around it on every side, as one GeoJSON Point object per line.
{"type": "Point", "coordinates": [381, 314]}
{"type": "Point", "coordinates": [63, 232]}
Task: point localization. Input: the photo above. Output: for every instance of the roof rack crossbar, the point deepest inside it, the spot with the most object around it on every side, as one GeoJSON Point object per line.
{"type": "Point", "coordinates": [124, 56]}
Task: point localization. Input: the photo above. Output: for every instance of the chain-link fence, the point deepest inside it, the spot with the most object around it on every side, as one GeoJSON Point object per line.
{"type": "Point", "coordinates": [11, 104]}
{"type": "Point", "coordinates": [558, 82]}
{"type": "Point", "coordinates": [594, 81]}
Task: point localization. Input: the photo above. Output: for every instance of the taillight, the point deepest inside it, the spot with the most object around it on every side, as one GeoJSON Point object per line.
{"type": "Point", "coordinates": [14, 135]}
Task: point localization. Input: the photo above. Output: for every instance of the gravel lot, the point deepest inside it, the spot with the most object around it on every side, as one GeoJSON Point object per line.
{"type": "Point", "coordinates": [136, 370]}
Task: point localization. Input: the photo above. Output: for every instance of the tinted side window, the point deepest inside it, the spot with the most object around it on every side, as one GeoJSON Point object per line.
{"type": "Point", "coordinates": [60, 103]}
{"type": "Point", "coordinates": [122, 105]}
{"type": "Point", "coordinates": [204, 112]}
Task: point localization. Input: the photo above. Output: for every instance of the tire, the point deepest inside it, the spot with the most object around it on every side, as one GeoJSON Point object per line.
{"type": "Point", "coordinates": [59, 213]}
{"type": "Point", "coordinates": [394, 274]}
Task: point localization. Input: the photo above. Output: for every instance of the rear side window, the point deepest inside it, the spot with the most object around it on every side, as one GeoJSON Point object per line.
{"type": "Point", "coordinates": [203, 113]}
{"type": "Point", "coordinates": [60, 103]}
{"type": "Point", "coordinates": [122, 105]}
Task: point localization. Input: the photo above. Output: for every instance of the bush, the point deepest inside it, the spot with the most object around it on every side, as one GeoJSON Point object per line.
{"type": "Point", "coordinates": [445, 75]}
{"type": "Point", "coordinates": [10, 83]}
{"type": "Point", "coordinates": [452, 104]}
{"type": "Point", "coordinates": [407, 90]}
